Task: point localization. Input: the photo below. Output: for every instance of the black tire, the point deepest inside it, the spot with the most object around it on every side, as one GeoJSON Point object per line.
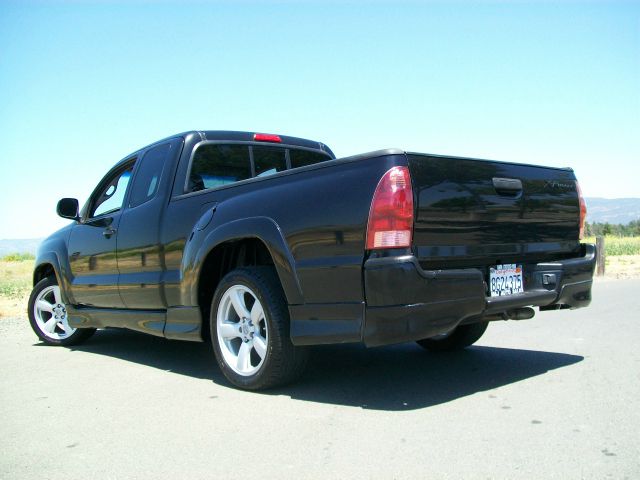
{"type": "Point", "coordinates": [461, 337]}
{"type": "Point", "coordinates": [45, 291]}
{"type": "Point", "coordinates": [281, 362]}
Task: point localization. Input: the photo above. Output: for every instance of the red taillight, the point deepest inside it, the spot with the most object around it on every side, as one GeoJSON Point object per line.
{"type": "Point", "coordinates": [266, 137]}
{"type": "Point", "coordinates": [391, 216]}
{"type": "Point", "coordinates": [583, 210]}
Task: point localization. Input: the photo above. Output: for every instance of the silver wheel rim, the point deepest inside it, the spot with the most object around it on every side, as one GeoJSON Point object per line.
{"type": "Point", "coordinates": [243, 334]}
{"type": "Point", "coordinates": [50, 313]}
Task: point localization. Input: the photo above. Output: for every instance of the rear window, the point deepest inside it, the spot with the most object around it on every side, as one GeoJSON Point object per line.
{"type": "Point", "coordinates": [302, 158]}
{"type": "Point", "coordinates": [217, 165]}
{"type": "Point", "coordinates": [269, 160]}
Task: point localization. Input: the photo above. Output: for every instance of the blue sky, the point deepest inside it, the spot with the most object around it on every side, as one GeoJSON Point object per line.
{"type": "Point", "coordinates": [82, 84]}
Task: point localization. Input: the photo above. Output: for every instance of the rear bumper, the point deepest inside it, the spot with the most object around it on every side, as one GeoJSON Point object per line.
{"type": "Point", "coordinates": [405, 302]}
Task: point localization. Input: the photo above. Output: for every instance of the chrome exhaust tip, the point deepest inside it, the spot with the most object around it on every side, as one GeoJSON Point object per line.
{"type": "Point", "coordinates": [524, 313]}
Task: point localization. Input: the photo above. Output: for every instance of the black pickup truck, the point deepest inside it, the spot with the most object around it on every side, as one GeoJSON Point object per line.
{"type": "Point", "coordinates": [265, 244]}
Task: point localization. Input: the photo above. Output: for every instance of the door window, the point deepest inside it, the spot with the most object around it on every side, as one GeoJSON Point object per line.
{"type": "Point", "coordinates": [111, 197]}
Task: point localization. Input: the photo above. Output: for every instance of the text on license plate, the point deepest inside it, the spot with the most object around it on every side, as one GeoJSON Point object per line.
{"type": "Point", "coordinates": [505, 280]}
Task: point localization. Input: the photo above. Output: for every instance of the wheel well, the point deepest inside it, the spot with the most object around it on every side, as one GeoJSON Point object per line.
{"type": "Point", "coordinates": [43, 271]}
{"type": "Point", "coordinates": [220, 261]}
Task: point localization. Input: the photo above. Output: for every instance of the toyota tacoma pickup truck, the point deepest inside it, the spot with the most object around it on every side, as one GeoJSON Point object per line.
{"type": "Point", "coordinates": [265, 244]}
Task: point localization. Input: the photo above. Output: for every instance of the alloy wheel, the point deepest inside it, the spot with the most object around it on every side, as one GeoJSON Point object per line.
{"type": "Point", "coordinates": [242, 330]}
{"type": "Point", "coordinates": [50, 314]}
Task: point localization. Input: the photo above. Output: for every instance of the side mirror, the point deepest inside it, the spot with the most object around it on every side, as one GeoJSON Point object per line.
{"type": "Point", "coordinates": [68, 208]}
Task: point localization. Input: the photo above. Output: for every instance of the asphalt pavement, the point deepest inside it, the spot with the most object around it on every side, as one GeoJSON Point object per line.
{"type": "Point", "coordinates": [555, 397]}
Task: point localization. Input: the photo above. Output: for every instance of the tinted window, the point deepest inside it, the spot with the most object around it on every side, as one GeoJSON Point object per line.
{"type": "Point", "coordinates": [269, 160]}
{"type": "Point", "coordinates": [110, 198]}
{"type": "Point", "coordinates": [216, 165]}
{"type": "Point", "coordinates": [148, 175]}
{"type": "Point", "coordinates": [302, 158]}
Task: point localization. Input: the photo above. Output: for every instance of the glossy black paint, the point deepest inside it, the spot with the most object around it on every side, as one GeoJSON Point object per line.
{"type": "Point", "coordinates": [68, 208]}
{"type": "Point", "coordinates": [317, 323]}
{"type": "Point", "coordinates": [153, 266]}
{"type": "Point", "coordinates": [146, 321]}
{"type": "Point", "coordinates": [93, 263]}
{"type": "Point", "coordinates": [140, 254]}
{"type": "Point", "coordinates": [473, 213]}
{"type": "Point", "coordinates": [91, 251]}
{"type": "Point", "coordinates": [405, 302]}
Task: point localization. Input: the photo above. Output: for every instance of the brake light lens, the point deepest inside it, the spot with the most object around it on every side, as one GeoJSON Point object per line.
{"type": "Point", "coordinates": [391, 215]}
{"type": "Point", "coordinates": [583, 210]}
{"type": "Point", "coordinates": [266, 137]}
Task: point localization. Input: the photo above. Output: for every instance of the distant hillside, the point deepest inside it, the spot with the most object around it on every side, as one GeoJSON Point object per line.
{"type": "Point", "coordinates": [613, 210]}
{"type": "Point", "coordinates": [28, 245]}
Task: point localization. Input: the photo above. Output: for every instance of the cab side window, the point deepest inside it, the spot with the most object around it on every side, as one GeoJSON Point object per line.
{"type": "Point", "coordinates": [111, 197]}
{"type": "Point", "coordinates": [145, 184]}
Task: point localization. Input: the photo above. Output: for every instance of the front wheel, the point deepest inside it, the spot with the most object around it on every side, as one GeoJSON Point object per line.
{"type": "Point", "coordinates": [48, 316]}
{"type": "Point", "coordinates": [250, 330]}
{"type": "Point", "coordinates": [459, 338]}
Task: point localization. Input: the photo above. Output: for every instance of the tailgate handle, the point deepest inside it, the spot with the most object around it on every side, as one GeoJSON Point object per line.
{"type": "Point", "coordinates": [507, 186]}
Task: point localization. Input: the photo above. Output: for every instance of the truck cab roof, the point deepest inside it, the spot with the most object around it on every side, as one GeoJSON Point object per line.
{"type": "Point", "coordinates": [236, 136]}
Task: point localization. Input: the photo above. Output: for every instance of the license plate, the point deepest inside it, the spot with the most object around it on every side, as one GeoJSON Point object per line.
{"type": "Point", "coordinates": [505, 280]}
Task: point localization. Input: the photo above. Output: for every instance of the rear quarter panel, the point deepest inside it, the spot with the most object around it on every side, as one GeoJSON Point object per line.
{"type": "Point", "coordinates": [321, 211]}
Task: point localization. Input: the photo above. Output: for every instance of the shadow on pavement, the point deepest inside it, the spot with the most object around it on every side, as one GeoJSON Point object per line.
{"type": "Point", "coordinates": [400, 377]}
{"type": "Point", "coordinates": [406, 377]}
{"type": "Point", "coordinates": [193, 359]}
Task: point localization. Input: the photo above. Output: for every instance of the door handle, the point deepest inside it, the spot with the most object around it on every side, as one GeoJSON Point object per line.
{"type": "Point", "coordinates": [507, 186]}
{"type": "Point", "coordinates": [107, 232]}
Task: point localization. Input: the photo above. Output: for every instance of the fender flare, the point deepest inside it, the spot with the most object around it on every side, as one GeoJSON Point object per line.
{"type": "Point", "coordinates": [60, 270]}
{"type": "Point", "coordinates": [265, 229]}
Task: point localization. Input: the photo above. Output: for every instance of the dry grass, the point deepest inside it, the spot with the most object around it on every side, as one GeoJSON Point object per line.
{"type": "Point", "coordinates": [13, 307]}
{"type": "Point", "coordinates": [622, 256]}
{"type": "Point", "coordinates": [622, 267]}
{"type": "Point", "coordinates": [15, 286]}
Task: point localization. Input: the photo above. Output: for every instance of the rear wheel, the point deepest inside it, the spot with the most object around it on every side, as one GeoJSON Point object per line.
{"type": "Point", "coordinates": [457, 339]}
{"type": "Point", "coordinates": [250, 330]}
{"type": "Point", "coordinates": [48, 316]}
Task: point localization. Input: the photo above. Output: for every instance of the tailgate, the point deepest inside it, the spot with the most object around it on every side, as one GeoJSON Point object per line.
{"type": "Point", "coordinates": [478, 213]}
